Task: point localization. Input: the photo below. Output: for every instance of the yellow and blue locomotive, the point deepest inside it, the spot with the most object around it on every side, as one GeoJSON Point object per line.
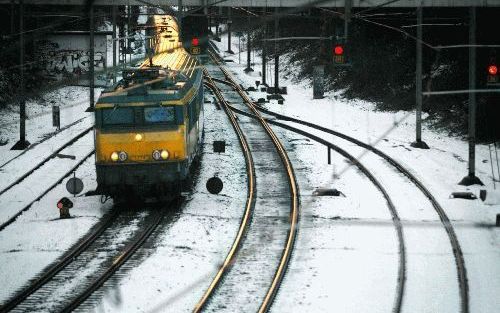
{"type": "Point", "coordinates": [148, 127]}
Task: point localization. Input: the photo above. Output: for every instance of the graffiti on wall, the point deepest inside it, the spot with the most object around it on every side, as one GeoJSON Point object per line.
{"type": "Point", "coordinates": [67, 55]}
{"type": "Point", "coordinates": [72, 62]}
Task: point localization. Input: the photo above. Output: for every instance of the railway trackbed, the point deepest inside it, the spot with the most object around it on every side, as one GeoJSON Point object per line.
{"type": "Point", "coordinates": [261, 255]}
{"type": "Point", "coordinates": [445, 221]}
{"type": "Point", "coordinates": [34, 184]}
{"type": "Point", "coordinates": [448, 227]}
{"type": "Point", "coordinates": [85, 268]}
{"type": "Point", "coordinates": [463, 289]}
{"type": "Point", "coordinates": [46, 138]}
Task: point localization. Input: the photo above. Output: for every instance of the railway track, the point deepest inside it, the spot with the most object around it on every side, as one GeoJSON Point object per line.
{"type": "Point", "coordinates": [83, 270]}
{"type": "Point", "coordinates": [39, 164]}
{"type": "Point", "coordinates": [251, 251]}
{"type": "Point", "coordinates": [445, 221]}
{"type": "Point", "coordinates": [401, 279]}
{"type": "Point", "coordinates": [28, 185]}
{"type": "Point", "coordinates": [457, 252]}
{"type": "Point", "coordinates": [19, 207]}
{"type": "Point", "coordinates": [53, 270]}
{"type": "Point", "coordinates": [250, 202]}
{"type": "Point", "coordinates": [45, 138]}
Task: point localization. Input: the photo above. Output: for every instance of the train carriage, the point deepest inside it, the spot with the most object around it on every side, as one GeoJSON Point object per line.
{"type": "Point", "coordinates": [149, 126]}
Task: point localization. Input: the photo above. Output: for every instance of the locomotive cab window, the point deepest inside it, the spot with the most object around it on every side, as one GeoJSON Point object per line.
{"type": "Point", "coordinates": [117, 116]}
{"type": "Point", "coordinates": [156, 115]}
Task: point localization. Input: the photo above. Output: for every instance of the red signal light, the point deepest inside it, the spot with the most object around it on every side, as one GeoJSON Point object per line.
{"type": "Point", "coordinates": [492, 69]}
{"type": "Point", "coordinates": [60, 205]}
{"type": "Point", "coordinates": [338, 50]}
{"type": "Point", "coordinates": [195, 41]}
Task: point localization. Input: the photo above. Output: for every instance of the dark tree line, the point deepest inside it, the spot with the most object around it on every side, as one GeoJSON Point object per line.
{"type": "Point", "coordinates": [383, 62]}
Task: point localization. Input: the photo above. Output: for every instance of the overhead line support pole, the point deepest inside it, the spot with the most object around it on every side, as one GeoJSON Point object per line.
{"type": "Point", "coordinates": [347, 19]}
{"type": "Point", "coordinates": [471, 178]}
{"type": "Point", "coordinates": [22, 143]}
{"type": "Point", "coordinates": [229, 22]}
{"type": "Point", "coordinates": [249, 50]}
{"type": "Point", "coordinates": [91, 58]}
{"type": "Point", "coordinates": [113, 14]}
{"type": "Point", "coordinates": [276, 55]}
{"type": "Point", "coordinates": [264, 52]}
{"type": "Point", "coordinates": [418, 83]}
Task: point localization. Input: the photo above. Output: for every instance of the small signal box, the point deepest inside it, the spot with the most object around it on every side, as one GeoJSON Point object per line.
{"type": "Point", "coordinates": [492, 79]}
{"type": "Point", "coordinates": [64, 205]}
{"type": "Point", "coordinates": [195, 46]}
{"type": "Point", "coordinates": [338, 51]}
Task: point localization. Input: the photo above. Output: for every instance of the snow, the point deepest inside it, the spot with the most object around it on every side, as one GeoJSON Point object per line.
{"type": "Point", "coordinates": [432, 279]}
{"type": "Point", "coordinates": [346, 254]}
{"type": "Point", "coordinates": [191, 249]}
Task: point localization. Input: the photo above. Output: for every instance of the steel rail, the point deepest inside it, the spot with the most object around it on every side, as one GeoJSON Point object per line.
{"type": "Point", "coordinates": [445, 221]}
{"type": "Point", "coordinates": [15, 216]}
{"type": "Point", "coordinates": [52, 155]}
{"type": "Point", "coordinates": [294, 210]}
{"type": "Point", "coordinates": [250, 202]}
{"type": "Point", "coordinates": [44, 139]}
{"type": "Point", "coordinates": [59, 266]}
{"type": "Point", "coordinates": [401, 279]}
{"type": "Point", "coordinates": [120, 260]}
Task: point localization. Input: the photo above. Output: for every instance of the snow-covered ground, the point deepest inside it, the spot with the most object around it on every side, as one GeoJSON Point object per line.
{"type": "Point", "coordinates": [38, 237]}
{"type": "Point", "coordinates": [346, 255]}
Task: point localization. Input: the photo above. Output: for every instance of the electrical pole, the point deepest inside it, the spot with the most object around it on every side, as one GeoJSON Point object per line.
{"type": "Point", "coordinates": [264, 52]}
{"type": "Point", "coordinates": [276, 56]}
{"type": "Point", "coordinates": [418, 83]}
{"type": "Point", "coordinates": [249, 50]}
{"type": "Point", "coordinates": [12, 21]}
{"type": "Point", "coordinates": [91, 58]}
{"type": "Point", "coordinates": [471, 178]}
{"type": "Point", "coordinates": [229, 22]}
{"type": "Point", "coordinates": [22, 143]}
{"type": "Point", "coordinates": [113, 13]}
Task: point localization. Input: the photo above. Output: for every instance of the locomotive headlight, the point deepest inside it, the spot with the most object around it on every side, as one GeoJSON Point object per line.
{"type": "Point", "coordinates": [122, 156]}
{"type": "Point", "coordinates": [156, 155]}
{"type": "Point", "coordinates": [114, 156]}
{"type": "Point", "coordinates": [164, 154]}
{"type": "Point", "coordinates": [138, 137]}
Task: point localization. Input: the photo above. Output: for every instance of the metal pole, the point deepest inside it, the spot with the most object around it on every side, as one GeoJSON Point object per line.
{"type": "Point", "coordinates": [329, 155]}
{"type": "Point", "coordinates": [217, 19]}
{"type": "Point", "coordinates": [229, 22]}
{"type": "Point", "coordinates": [418, 92]}
{"type": "Point", "coordinates": [22, 111]}
{"type": "Point", "coordinates": [264, 52]}
{"type": "Point", "coordinates": [249, 48]}
{"type": "Point", "coordinates": [12, 21]}
{"type": "Point", "coordinates": [91, 59]}
{"type": "Point", "coordinates": [471, 179]}
{"type": "Point", "coordinates": [276, 56]}
{"type": "Point", "coordinates": [129, 46]}
{"type": "Point", "coordinates": [347, 19]}
{"type": "Point", "coordinates": [472, 96]}
{"type": "Point", "coordinates": [22, 143]}
{"type": "Point", "coordinates": [113, 13]}
{"type": "Point", "coordinates": [418, 83]}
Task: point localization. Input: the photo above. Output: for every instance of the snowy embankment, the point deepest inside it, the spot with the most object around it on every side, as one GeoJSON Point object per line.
{"type": "Point", "coordinates": [37, 237]}
{"type": "Point", "coordinates": [345, 255]}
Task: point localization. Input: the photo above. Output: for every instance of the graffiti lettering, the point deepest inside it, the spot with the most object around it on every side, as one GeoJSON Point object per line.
{"type": "Point", "coordinates": [72, 62]}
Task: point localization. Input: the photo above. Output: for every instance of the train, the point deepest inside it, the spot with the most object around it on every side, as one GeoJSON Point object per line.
{"type": "Point", "coordinates": [149, 125]}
